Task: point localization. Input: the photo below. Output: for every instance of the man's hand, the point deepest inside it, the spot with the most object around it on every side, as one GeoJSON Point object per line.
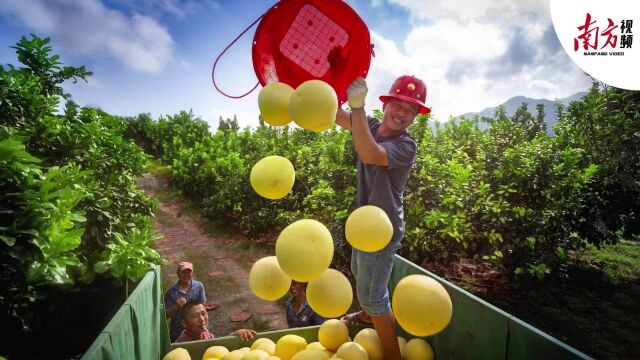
{"type": "Point", "coordinates": [356, 93]}
{"type": "Point", "coordinates": [244, 334]}
{"type": "Point", "coordinates": [180, 303]}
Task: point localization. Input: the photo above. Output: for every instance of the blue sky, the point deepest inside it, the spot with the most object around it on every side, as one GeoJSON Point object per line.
{"type": "Point", "coordinates": [155, 56]}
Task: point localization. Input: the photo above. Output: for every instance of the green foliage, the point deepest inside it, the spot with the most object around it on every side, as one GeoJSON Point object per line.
{"type": "Point", "coordinates": [68, 198]}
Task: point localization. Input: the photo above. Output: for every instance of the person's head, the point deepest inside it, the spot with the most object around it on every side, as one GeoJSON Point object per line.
{"type": "Point", "coordinates": [298, 288]}
{"type": "Point", "coordinates": [185, 271]}
{"type": "Point", "coordinates": [194, 317]}
{"type": "Point", "coordinates": [404, 102]}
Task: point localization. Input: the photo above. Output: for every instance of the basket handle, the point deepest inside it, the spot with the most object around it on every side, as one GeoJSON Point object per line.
{"type": "Point", "coordinates": [213, 71]}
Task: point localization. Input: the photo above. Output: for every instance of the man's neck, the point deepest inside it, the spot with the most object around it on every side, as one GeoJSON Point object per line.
{"type": "Point", "coordinates": [185, 284]}
{"type": "Point", "coordinates": [384, 131]}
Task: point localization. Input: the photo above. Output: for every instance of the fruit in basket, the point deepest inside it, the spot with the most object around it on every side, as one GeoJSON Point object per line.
{"type": "Point", "coordinates": [313, 105]}
{"type": "Point", "coordinates": [234, 355]}
{"type": "Point", "coordinates": [402, 343]}
{"type": "Point", "coordinates": [273, 102]}
{"type": "Point", "coordinates": [273, 358]}
{"type": "Point", "coordinates": [267, 280]}
{"type": "Point", "coordinates": [264, 344]}
{"type": "Point", "coordinates": [368, 338]}
{"type": "Point", "coordinates": [272, 177]}
{"type": "Point", "coordinates": [421, 305]}
{"type": "Point", "coordinates": [304, 250]}
{"type": "Point", "coordinates": [351, 351]}
{"type": "Point", "coordinates": [368, 228]}
{"type": "Point", "coordinates": [177, 354]}
{"type": "Point", "coordinates": [289, 345]}
{"type": "Point", "coordinates": [255, 355]}
{"type": "Point", "coordinates": [333, 333]}
{"type": "Point", "coordinates": [418, 349]}
{"type": "Point", "coordinates": [310, 354]}
{"type": "Point", "coordinates": [330, 295]}
{"type": "Point", "coordinates": [215, 352]}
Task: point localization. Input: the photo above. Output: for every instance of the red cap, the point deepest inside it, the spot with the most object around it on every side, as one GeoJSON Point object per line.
{"type": "Point", "coordinates": [184, 266]}
{"type": "Point", "coordinates": [410, 89]}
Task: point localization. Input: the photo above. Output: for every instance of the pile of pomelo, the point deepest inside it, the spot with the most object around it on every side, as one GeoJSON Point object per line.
{"type": "Point", "coordinates": [333, 343]}
{"type": "Point", "coordinates": [304, 251]}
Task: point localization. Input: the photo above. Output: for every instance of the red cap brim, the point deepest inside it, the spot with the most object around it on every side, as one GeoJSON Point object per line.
{"type": "Point", "coordinates": [423, 108]}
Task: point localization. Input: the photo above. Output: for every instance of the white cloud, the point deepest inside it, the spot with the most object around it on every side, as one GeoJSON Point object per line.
{"type": "Point", "coordinates": [89, 28]}
{"type": "Point", "coordinates": [475, 55]}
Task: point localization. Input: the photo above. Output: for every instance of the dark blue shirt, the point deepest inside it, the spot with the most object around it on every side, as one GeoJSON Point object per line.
{"type": "Point", "coordinates": [383, 186]}
{"type": "Point", "coordinates": [195, 292]}
{"type": "Point", "coordinates": [305, 316]}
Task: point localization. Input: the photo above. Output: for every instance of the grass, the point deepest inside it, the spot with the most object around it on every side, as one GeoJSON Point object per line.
{"type": "Point", "coordinates": [619, 263]}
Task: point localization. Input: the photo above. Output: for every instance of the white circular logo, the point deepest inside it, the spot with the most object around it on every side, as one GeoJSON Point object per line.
{"type": "Point", "coordinates": [601, 38]}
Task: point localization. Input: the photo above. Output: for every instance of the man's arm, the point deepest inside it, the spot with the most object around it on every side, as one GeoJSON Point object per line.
{"type": "Point", "coordinates": [342, 118]}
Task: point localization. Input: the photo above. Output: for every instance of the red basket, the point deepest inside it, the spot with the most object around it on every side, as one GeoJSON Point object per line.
{"type": "Point", "coordinates": [300, 40]}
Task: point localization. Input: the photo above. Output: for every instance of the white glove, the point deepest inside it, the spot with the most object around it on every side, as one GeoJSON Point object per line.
{"type": "Point", "coordinates": [356, 93]}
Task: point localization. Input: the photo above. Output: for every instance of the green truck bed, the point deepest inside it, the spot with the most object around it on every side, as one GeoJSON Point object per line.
{"type": "Point", "coordinates": [478, 330]}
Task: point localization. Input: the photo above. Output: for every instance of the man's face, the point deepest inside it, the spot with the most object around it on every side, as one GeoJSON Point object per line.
{"type": "Point", "coordinates": [398, 114]}
{"type": "Point", "coordinates": [185, 275]}
{"type": "Point", "coordinates": [296, 288]}
{"type": "Point", "coordinates": [197, 319]}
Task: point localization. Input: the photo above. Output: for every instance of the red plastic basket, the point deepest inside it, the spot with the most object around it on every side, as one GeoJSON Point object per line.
{"type": "Point", "coordinates": [300, 40]}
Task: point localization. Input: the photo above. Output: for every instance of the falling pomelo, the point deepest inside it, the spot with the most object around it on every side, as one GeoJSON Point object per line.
{"type": "Point", "coordinates": [418, 349]}
{"type": "Point", "coordinates": [268, 281]}
{"type": "Point", "coordinates": [273, 102]}
{"type": "Point", "coordinates": [352, 351]}
{"type": "Point", "coordinates": [177, 354]}
{"type": "Point", "coordinates": [330, 295]}
{"type": "Point", "coordinates": [421, 305]}
{"type": "Point", "coordinates": [313, 105]}
{"type": "Point", "coordinates": [368, 338]}
{"type": "Point", "coordinates": [272, 177]}
{"type": "Point", "coordinates": [368, 228]}
{"type": "Point", "coordinates": [304, 250]}
{"type": "Point", "coordinates": [215, 352]}
{"type": "Point", "coordinates": [333, 333]}
{"type": "Point", "coordinates": [289, 345]}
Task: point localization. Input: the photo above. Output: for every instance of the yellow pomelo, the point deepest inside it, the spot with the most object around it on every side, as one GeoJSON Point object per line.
{"type": "Point", "coordinates": [268, 281]}
{"type": "Point", "coordinates": [273, 358]}
{"type": "Point", "coordinates": [332, 334]}
{"type": "Point", "coordinates": [352, 351]}
{"type": "Point", "coordinates": [310, 354]}
{"type": "Point", "coordinates": [245, 349]}
{"type": "Point", "coordinates": [264, 344]}
{"type": "Point", "coordinates": [289, 345]}
{"type": "Point", "coordinates": [418, 349]}
{"type": "Point", "coordinates": [402, 343]}
{"type": "Point", "coordinates": [177, 354]}
{"type": "Point", "coordinates": [421, 305]}
{"type": "Point", "coordinates": [315, 345]}
{"type": "Point", "coordinates": [260, 341]}
{"type": "Point", "coordinates": [273, 102]}
{"type": "Point", "coordinates": [215, 352]}
{"type": "Point", "coordinates": [368, 228]}
{"type": "Point", "coordinates": [330, 295]}
{"type": "Point", "coordinates": [272, 177]}
{"type": "Point", "coordinates": [313, 105]}
{"type": "Point", "coordinates": [234, 355]}
{"type": "Point", "coordinates": [255, 355]}
{"type": "Point", "coordinates": [368, 338]}
{"type": "Point", "coordinates": [304, 250]}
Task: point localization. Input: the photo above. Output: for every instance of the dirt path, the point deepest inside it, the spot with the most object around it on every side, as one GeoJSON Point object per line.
{"type": "Point", "coordinates": [221, 262]}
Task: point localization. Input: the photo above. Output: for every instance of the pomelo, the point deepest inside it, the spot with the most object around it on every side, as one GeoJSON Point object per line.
{"type": "Point", "coordinates": [177, 354]}
{"type": "Point", "coordinates": [351, 351]}
{"type": "Point", "coordinates": [234, 355]}
{"type": "Point", "coordinates": [273, 102]}
{"type": "Point", "coordinates": [333, 333]}
{"type": "Point", "coordinates": [289, 345]}
{"type": "Point", "coordinates": [255, 355]}
{"type": "Point", "coordinates": [313, 105]}
{"type": "Point", "coordinates": [215, 352]}
{"type": "Point", "coordinates": [402, 343]}
{"type": "Point", "coordinates": [330, 295]}
{"type": "Point", "coordinates": [368, 338]}
{"type": "Point", "coordinates": [310, 354]}
{"type": "Point", "coordinates": [272, 177]}
{"type": "Point", "coordinates": [267, 280]}
{"type": "Point", "coordinates": [368, 228]}
{"type": "Point", "coordinates": [304, 250]}
{"type": "Point", "coordinates": [418, 349]}
{"type": "Point", "coordinates": [421, 305]}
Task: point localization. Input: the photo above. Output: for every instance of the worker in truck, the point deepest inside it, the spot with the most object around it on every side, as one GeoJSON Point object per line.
{"type": "Point", "coordinates": [195, 321]}
{"type": "Point", "coordinates": [386, 152]}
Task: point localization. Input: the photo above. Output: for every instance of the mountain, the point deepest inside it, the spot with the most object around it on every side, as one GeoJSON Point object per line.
{"type": "Point", "coordinates": [515, 102]}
